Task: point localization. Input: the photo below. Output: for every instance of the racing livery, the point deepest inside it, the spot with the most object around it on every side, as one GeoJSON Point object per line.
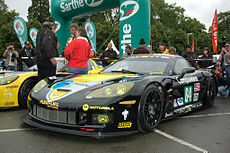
{"type": "Point", "coordinates": [15, 86]}
{"type": "Point", "coordinates": [131, 95]}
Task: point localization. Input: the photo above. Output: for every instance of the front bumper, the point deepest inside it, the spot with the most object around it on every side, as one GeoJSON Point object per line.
{"type": "Point", "coordinates": [99, 134]}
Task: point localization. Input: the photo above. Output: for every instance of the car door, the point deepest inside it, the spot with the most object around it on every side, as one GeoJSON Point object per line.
{"type": "Point", "coordinates": [185, 89]}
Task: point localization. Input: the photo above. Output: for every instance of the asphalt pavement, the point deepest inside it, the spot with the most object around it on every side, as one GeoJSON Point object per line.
{"type": "Point", "coordinates": [206, 130]}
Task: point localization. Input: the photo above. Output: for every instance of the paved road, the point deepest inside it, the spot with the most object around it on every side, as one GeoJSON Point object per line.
{"type": "Point", "coordinates": [201, 131]}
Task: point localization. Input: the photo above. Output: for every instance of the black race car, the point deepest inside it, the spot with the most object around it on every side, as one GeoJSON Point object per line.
{"type": "Point", "coordinates": [131, 95]}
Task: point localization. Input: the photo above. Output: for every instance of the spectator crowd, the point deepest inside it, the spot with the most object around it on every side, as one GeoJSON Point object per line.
{"type": "Point", "coordinates": [78, 52]}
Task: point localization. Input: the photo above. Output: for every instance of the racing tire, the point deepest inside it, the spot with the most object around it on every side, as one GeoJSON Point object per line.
{"type": "Point", "coordinates": [210, 93]}
{"type": "Point", "coordinates": [150, 109]}
{"type": "Point", "coordinates": [24, 91]}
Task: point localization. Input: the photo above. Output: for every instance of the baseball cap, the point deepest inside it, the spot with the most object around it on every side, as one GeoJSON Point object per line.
{"type": "Point", "coordinates": [227, 44]}
{"type": "Point", "coordinates": [27, 43]}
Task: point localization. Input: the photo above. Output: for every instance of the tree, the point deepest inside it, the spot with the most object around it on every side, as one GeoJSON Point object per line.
{"type": "Point", "coordinates": [7, 34]}
{"type": "Point", "coordinates": [39, 10]}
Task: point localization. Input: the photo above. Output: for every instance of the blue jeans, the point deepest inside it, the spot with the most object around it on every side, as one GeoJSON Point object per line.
{"type": "Point", "coordinates": [13, 68]}
{"type": "Point", "coordinates": [74, 70]}
{"type": "Point", "coordinates": [227, 69]}
{"type": "Point", "coordinates": [25, 67]}
{"type": "Point", "coordinates": [222, 90]}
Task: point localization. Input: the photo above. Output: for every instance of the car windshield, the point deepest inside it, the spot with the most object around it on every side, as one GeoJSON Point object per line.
{"type": "Point", "coordinates": [61, 62]}
{"type": "Point", "coordinates": [148, 65]}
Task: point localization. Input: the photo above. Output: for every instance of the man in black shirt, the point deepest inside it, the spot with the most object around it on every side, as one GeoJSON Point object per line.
{"type": "Point", "coordinates": [141, 49]}
{"type": "Point", "coordinates": [46, 49]}
{"type": "Point", "coordinates": [108, 55]}
{"type": "Point", "coordinates": [26, 55]}
{"type": "Point", "coordinates": [190, 55]}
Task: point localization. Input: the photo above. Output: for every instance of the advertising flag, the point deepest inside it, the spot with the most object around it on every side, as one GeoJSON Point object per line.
{"type": "Point", "coordinates": [91, 34]}
{"type": "Point", "coordinates": [33, 35]}
{"type": "Point", "coordinates": [21, 30]}
{"type": "Point", "coordinates": [214, 30]}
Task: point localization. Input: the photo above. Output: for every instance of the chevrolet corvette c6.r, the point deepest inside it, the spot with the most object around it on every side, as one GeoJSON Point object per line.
{"type": "Point", "coordinates": [131, 95]}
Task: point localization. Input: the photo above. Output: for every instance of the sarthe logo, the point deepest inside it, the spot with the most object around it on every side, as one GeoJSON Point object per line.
{"type": "Point", "coordinates": [93, 3]}
{"type": "Point", "coordinates": [128, 9]}
{"type": "Point", "coordinates": [33, 35]}
{"type": "Point", "coordinates": [90, 30]}
{"type": "Point", "coordinates": [19, 27]}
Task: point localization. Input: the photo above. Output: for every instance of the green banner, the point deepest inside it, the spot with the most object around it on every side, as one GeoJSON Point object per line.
{"type": "Point", "coordinates": [33, 35]}
{"type": "Point", "coordinates": [91, 34]}
{"type": "Point", "coordinates": [63, 11]}
{"type": "Point", "coordinates": [21, 30]}
{"type": "Point", "coordinates": [134, 23]}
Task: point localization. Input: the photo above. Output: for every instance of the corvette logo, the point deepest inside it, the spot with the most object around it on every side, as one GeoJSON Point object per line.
{"type": "Point", "coordinates": [93, 3]}
{"type": "Point", "coordinates": [19, 27]}
{"type": "Point", "coordinates": [131, 8]}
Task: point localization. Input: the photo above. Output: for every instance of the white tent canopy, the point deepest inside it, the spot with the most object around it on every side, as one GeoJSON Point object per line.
{"type": "Point", "coordinates": [113, 46]}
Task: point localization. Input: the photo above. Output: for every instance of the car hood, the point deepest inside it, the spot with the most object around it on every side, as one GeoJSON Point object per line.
{"type": "Point", "coordinates": [78, 83]}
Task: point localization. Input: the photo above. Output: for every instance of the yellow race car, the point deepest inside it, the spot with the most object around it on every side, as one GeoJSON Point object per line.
{"type": "Point", "coordinates": [15, 86]}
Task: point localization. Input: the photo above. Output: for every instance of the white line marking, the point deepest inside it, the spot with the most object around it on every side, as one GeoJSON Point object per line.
{"type": "Point", "coordinates": [180, 141]}
{"type": "Point", "coordinates": [15, 130]}
{"type": "Point", "coordinates": [6, 118]}
{"type": "Point", "coordinates": [205, 115]}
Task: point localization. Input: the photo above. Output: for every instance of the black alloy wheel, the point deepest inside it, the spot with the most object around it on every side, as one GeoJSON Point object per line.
{"type": "Point", "coordinates": [24, 91]}
{"type": "Point", "coordinates": [150, 109]}
{"type": "Point", "coordinates": [210, 93]}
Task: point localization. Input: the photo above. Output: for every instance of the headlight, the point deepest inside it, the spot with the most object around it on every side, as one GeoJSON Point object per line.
{"type": "Point", "coordinates": [8, 79]}
{"type": "Point", "coordinates": [101, 119]}
{"type": "Point", "coordinates": [40, 85]}
{"type": "Point", "coordinates": [111, 90]}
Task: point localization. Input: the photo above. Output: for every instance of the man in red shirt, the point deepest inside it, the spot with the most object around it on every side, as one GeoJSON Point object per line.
{"type": "Point", "coordinates": [78, 53]}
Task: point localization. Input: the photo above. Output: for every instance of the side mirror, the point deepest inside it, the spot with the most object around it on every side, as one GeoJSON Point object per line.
{"type": "Point", "coordinates": [186, 70]}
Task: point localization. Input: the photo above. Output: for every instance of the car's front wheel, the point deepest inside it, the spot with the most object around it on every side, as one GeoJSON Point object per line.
{"type": "Point", "coordinates": [150, 109]}
{"type": "Point", "coordinates": [24, 91]}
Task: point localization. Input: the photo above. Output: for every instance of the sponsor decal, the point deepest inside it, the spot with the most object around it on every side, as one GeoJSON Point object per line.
{"type": "Point", "coordinates": [124, 125]}
{"type": "Point", "coordinates": [9, 94]}
{"type": "Point", "coordinates": [86, 107]}
{"type": "Point", "coordinates": [93, 3]}
{"type": "Point", "coordinates": [76, 4]}
{"type": "Point", "coordinates": [180, 101]}
{"type": "Point", "coordinates": [195, 97]}
{"type": "Point", "coordinates": [19, 27]}
{"type": "Point", "coordinates": [188, 92]}
{"type": "Point", "coordinates": [175, 103]}
{"type": "Point", "coordinates": [62, 84]}
{"type": "Point", "coordinates": [188, 80]}
{"type": "Point", "coordinates": [197, 87]}
{"type": "Point", "coordinates": [131, 8]}
{"type": "Point", "coordinates": [11, 87]}
{"type": "Point", "coordinates": [50, 104]}
{"type": "Point", "coordinates": [125, 113]}
{"type": "Point", "coordinates": [90, 30]}
{"type": "Point", "coordinates": [121, 81]}
{"type": "Point", "coordinates": [33, 34]}
{"type": "Point", "coordinates": [168, 114]}
{"type": "Point", "coordinates": [58, 25]}
{"type": "Point", "coordinates": [9, 103]}
{"type": "Point", "coordinates": [160, 73]}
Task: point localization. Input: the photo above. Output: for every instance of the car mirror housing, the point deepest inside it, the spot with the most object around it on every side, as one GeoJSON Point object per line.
{"type": "Point", "coordinates": [186, 70]}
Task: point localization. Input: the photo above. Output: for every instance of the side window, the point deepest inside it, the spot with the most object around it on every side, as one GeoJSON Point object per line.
{"type": "Point", "coordinates": [90, 65]}
{"type": "Point", "coordinates": [180, 65]}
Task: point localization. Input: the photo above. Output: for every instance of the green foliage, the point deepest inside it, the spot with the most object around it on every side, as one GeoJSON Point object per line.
{"type": "Point", "coordinates": [7, 34]}
{"type": "Point", "coordinates": [39, 10]}
{"type": "Point", "coordinates": [224, 26]}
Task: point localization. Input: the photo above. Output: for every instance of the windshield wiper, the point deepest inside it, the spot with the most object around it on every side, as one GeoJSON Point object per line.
{"type": "Point", "coordinates": [127, 71]}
